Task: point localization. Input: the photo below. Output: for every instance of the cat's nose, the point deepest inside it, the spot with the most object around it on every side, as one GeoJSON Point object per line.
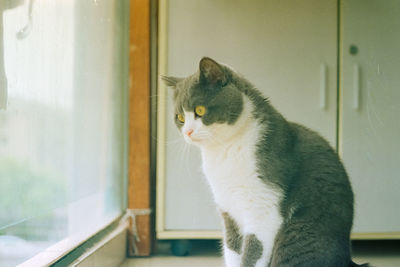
{"type": "Point", "coordinates": [189, 132]}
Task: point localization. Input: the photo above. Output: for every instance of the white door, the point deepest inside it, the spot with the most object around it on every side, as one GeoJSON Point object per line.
{"type": "Point", "coordinates": [370, 131]}
{"type": "Point", "coordinates": [288, 49]}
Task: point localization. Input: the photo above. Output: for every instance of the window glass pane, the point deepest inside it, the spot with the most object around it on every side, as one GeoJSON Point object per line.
{"type": "Point", "coordinates": [62, 121]}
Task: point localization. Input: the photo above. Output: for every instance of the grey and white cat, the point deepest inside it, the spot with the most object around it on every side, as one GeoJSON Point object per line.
{"type": "Point", "coordinates": [283, 193]}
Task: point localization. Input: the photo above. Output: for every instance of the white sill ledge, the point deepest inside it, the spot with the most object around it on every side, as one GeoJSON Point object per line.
{"type": "Point", "coordinates": [54, 253]}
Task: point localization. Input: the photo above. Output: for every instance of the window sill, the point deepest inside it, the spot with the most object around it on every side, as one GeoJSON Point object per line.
{"type": "Point", "coordinates": [84, 248]}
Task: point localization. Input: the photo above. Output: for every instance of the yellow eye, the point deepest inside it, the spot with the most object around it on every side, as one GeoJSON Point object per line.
{"type": "Point", "coordinates": [180, 118]}
{"type": "Point", "coordinates": [200, 111]}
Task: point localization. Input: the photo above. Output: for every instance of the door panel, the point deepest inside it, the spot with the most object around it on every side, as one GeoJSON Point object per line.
{"type": "Point", "coordinates": [370, 118]}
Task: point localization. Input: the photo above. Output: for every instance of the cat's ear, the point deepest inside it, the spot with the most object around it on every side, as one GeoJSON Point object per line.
{"type": "Point", "coordinates": [211, 72]}
{"type": "Point", "coordinates": [170, 81]}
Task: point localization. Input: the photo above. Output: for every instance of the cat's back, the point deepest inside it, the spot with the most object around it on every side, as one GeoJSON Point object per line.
{"type": "Point", "coordinates": [315, 154]}
{"type": "Point", "coordinates": [320, 182]}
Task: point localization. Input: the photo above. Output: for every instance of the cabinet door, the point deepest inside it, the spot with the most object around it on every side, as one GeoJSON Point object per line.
{"type": "Point", "coordinates": [370, 122]}
{"type": "Point", "coordinates": [286, 48]}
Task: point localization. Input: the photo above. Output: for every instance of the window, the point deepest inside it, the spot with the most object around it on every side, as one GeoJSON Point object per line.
{"type": "Point", "coordinates": [62, 121]}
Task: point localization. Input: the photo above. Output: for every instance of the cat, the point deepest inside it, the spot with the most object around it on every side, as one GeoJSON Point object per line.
{"type": "Point", "coordinates": [282, 192]}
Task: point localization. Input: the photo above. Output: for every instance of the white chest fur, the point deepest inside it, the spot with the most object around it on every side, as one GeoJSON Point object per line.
{"type": "Point", "coordinates": [237, 188]}
{"type": "Point", "coordinates": [232, 174]}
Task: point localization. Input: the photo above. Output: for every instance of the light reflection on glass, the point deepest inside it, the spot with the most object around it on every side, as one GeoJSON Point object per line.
{"type": "Point", "coordinates": [60, 136]}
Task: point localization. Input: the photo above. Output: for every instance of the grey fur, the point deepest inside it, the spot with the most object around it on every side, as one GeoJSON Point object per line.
{"type": "Point", "coordinates": [233, 238]}
{"type": "Point", "coordinates": [317, 206]}
{"type": "Point", "coordinates": [253, 249]}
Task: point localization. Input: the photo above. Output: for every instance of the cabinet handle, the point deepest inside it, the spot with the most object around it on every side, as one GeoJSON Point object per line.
{"type": "Point", "coordinates": [322, 86]}
{"type": "Point", "coordinates": [356, 86]}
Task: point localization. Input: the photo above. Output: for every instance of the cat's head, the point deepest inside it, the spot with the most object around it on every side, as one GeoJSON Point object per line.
{"type": "Point", "coordinates": [208, 104]}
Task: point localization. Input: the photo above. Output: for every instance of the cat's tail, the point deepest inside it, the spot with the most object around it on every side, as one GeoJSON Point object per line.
{"type": "Point", "coordinates": [353, 264]}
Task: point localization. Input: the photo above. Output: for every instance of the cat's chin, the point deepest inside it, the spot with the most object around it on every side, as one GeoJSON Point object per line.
{"type": "Point", "coordinates": [194, 141]}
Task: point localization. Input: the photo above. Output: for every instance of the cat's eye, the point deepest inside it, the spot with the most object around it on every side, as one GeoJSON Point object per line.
{"type": "Point", "coordinates": [180, 118]}
{"type": "Point", "coordinates": [200, 111]}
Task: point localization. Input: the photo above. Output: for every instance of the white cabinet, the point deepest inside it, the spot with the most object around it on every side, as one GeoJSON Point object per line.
{"type": "Point", "coordinates": [286, 48]}
{"type": "Point", "coordinates": [370, 122]}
